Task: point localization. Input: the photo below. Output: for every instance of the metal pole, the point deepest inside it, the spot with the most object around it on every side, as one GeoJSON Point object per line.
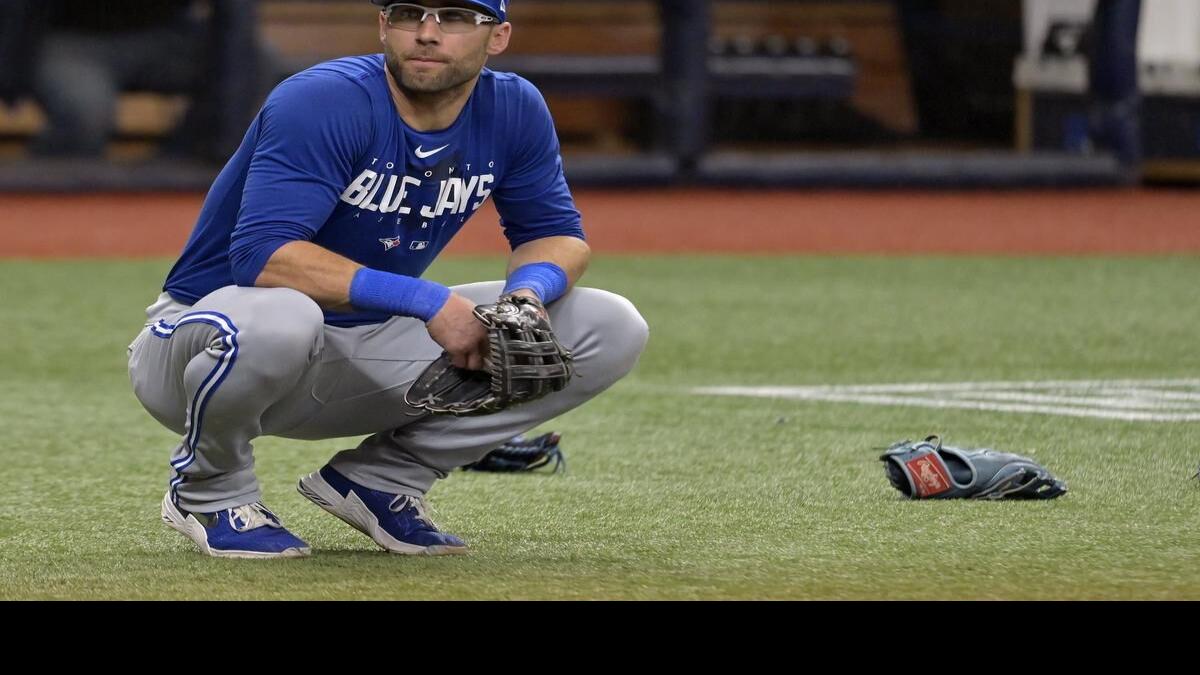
{"type": "Point", "coordinates": [685, 29]}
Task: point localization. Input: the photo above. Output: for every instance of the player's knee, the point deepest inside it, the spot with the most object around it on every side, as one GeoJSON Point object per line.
{"type": "Point", "coordinates": [630, 332]}
{"type": "Point", "coordinates": [622, 334]}
{"type": "Point", "coordinates": [282, 322]}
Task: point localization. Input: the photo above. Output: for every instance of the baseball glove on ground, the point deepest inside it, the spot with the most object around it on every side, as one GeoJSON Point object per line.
{"type": "Point", "coordinates": [930, 470]}
{"type": "Point", "coordinates": [525, 362]}
{"type": "Point", "coordinates": [521, 454]}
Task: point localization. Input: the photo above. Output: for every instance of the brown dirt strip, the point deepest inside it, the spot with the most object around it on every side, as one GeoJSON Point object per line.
{"type": "Point", "coordinates": [700, 221]}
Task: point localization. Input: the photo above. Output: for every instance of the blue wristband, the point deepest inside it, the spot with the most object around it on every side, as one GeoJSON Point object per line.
{"type": "Point", "coordinates": [547, 280]}
{"type": "Point", "coordinates": [397, 294]}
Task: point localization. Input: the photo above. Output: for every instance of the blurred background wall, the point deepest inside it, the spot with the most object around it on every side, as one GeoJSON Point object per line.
{"type": "Point", "coordinates": [750, 92]}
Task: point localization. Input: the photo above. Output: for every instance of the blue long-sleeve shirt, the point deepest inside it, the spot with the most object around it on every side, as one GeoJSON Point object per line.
{"type": "Point", "coordinates": [329, 160]}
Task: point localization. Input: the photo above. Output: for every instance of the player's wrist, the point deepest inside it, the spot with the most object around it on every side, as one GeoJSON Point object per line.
{"type": "Point", "coordinates": [545, 280]}
{"type": "Point", "coordinates": [521, 293]}
{"type": "Point", "coordinates": [397, 294]}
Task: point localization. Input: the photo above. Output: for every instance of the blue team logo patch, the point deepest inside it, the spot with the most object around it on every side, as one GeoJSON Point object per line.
{"type": "Point", "coordinates": [390, 243]}
{"type": "Point", "coordinates": [418, 245]}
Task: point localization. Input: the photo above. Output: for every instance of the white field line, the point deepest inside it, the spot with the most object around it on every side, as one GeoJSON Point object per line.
{"type": "Point", "coordinates": [1109, 400]}
{"type": "Point", "coordinates": [1130, 400]}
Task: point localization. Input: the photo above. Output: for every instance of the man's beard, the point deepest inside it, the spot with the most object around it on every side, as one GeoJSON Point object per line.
{"type": "Point", "coordinates": [449, 77]}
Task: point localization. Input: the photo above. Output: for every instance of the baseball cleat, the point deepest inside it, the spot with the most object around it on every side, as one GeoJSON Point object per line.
{"type": "Point", "coordinates": [397, 523]}
{"type": "Point", "coordinates": [248, 531]}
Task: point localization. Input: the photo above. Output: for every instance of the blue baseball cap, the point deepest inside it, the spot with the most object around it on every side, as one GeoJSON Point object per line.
{"type": "Point", "coordinates": [497, 8]}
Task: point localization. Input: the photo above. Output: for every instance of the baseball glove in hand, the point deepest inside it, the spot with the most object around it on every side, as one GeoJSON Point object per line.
{"type": "Point", "coordinates": [525, 362]}
{"type": "Point", "coordinates": [930, 470]}
{"type": "Point", "coordinates": [522, 454]}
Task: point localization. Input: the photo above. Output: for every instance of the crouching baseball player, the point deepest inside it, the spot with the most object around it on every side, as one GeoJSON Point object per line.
{"type": "Point", "coordinates": [297, 307]}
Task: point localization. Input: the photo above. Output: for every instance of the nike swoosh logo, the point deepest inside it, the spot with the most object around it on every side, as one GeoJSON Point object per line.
{"type": "Point", "coordinates": [422, 154]}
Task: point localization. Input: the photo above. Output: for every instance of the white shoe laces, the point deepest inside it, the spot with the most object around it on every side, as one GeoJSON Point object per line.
{"type": "Point", "coordinates": [401, 501]}
{"type": "Point", "coordinates": [252, 516]}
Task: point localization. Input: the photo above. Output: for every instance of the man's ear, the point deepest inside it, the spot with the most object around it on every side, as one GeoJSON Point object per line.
{"type": "Point", "coordinates": [498, 41]}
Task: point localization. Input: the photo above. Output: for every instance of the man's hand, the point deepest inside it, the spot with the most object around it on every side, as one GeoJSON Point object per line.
{"type": "Point", "coordinates": [525, 361]}
{"type": "Point", "coordinates": [526, 293]}
{"type": "Point", "coordinates": [457, 330]}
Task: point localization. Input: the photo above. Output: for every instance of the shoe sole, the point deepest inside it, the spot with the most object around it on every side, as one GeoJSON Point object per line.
{"type": "Point", "coordinates": [354, 512]}
{"type": "Point", "coordinates": [193, 529]}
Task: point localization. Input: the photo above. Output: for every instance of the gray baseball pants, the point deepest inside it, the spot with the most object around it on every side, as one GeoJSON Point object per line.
{"type": "Point", "coordinates": [247, 362]}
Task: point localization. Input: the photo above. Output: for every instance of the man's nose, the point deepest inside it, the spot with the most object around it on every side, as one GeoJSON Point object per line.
{"type": "Point", "coordinates": [429, 30]}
